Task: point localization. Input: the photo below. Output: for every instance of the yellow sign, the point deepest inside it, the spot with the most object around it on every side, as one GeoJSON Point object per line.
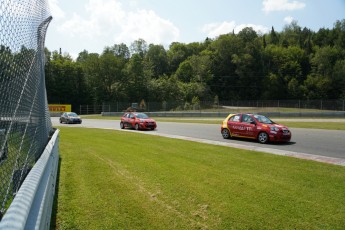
{"type": "Point", "coordinates": [59, 108]}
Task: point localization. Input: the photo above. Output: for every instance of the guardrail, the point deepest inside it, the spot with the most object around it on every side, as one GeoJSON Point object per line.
{"type": "Point", "coordinates": [32, 206]}
{"type": "Point", "coordinates": [217, 106]}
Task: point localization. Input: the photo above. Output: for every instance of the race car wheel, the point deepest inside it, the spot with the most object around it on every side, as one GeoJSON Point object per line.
{"type": "Point", "coordinates": [263, 138]}
{"type": "Point", "coordinates": [60, 121]}
{"type": "Point", "coordinates": [122, 125]}
{"type": "Point", "coordinates": [225, 133]}
{"type": "Point", "coordinates": [136, 126]}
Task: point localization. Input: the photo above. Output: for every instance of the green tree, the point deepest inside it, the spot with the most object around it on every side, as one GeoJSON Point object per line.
{"type": "Point", "coordinates": [139, 47]}
{"type": "Point", "coordinates": [90, 63]}
{"type": "Point", "coordinates": [273, 37]}
{"type": "Point", "coordinates": [111, 76]}
{"type": "Point", "coordinates": [324, 59]}
{"type": "Point", "coordinates": [177, 53]}
{"type": "Point", "coordinates": [292, 35]}
{"type": "Point", "coordinates": [324, 37]}
{"type": "Point", "coordinates": [156, 60]}
{"type": "Point", "coordinates": [316, 87]}
{"type": "Point", "coordinates": [221, 52]}
{"type": "Point", "coordinates": [247, 34]}
{"type": "Point", "coordinates": [248, 65]}
{"type": "Point", "coordinates": [284, 64]}
{"type": "Point", "coordinates": [185, 71]}
{"type": "Point", "coordinates": [338, 81]}
{"type": "Point", "coordinates": [120, 50]}
{"type": "Point", "coordinates": [136, 83]}
{"type": "Point", "coordinates": [165, 89]}
{"type": "Point", "coordinates": [66, 81]}
{"type": "Point", "coordinates": [201, 67]}
{"type": "Point", "coordinates": [339, 31]}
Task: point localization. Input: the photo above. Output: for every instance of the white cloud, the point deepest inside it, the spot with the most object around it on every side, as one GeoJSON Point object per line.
{"type": "Point", "coordinates": [105, 12]}
{"type": "Point", "coordinates": [288, 19]}
{"type": "Point", "coordinates": [78, 27]}
{"type": "Point", "coordinates": [108, 22]}
{"type": "Point", "coordinates": [148, 26]}
{"type": "Point", "coordinates": [55, 10]}
{"type": "Point", "coordinates": [215, 29]}
{"type": "Point", "coordinates": [282, 5]}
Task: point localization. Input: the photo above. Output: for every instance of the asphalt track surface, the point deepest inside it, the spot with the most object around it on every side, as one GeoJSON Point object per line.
{"type": "Point", "coordinates": [312, 144]}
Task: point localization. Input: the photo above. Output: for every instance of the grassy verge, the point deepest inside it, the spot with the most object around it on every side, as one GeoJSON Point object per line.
{"type": "Point", "coordinates": [123, 180]}
{"type": "Point", "coordinates": [315, 125]}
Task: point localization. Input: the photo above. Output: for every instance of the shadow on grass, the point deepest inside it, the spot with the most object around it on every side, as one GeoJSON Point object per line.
{"type": "Point", "coordinates": [55, 204]}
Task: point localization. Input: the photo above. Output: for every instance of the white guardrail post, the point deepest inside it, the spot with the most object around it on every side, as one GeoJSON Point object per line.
{"type": "Point", "coordinates": [32, 205]}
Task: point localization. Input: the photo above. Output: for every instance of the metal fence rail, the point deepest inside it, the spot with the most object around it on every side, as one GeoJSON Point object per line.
{"type": "Point", "coordinates": [25, 125]}
{"type": "Point", "coordinates": [215, 106]}
{"type": "Point", "coordinates": [32, 206]}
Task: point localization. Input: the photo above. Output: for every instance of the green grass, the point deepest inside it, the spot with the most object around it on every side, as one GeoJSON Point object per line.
{"type": "Point", "coordinates": [123, 180]}
{"type": "Point", "coordinates": [235, 109]}
{"type": "Point", "coordinates": [315, 125]}
{"type": "Point", "coordinates": [100, 117]}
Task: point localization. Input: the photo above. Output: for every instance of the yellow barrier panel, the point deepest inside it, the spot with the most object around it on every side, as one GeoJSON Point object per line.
{"type": "Point", "coordinates": [59, 108]}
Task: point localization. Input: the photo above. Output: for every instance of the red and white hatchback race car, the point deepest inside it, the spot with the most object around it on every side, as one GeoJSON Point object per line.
{"type": "Point", "coordinates": [137, 121]}
{"type": "Point", "coordinates": [254, 126]}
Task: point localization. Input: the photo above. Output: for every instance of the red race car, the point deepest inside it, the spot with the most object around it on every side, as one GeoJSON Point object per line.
{"type": "Point", "coordinates": [137, 121]}
{"type": "Point", "coordinates": [254, 126]}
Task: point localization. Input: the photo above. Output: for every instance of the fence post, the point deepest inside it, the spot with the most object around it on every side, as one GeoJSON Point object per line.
{"type": "Point", "coordinates": [299, 104]}
{"type": "Point", "coordinates": [321, 104]}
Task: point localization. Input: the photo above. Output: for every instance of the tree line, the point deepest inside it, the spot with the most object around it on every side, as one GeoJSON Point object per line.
{"type": "Point", "coordinates": [296, 63]}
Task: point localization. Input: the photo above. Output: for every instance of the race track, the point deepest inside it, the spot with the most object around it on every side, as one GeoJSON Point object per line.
{"type": "Point", "coordinates": [323, 143]}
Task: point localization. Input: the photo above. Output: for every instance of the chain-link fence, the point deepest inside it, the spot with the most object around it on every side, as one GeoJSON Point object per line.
{"type": "Point", "coordinates": [25, 125]}
{"type": "Point", "coordinates": [216, 106]}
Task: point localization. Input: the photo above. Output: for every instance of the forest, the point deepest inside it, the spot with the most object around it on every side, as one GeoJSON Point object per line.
{"type": "Point", "coordinates": [296, 63]}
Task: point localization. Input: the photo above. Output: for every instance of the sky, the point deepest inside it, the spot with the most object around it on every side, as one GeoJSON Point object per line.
{"type": "Point", "coordinates": [92, 25]}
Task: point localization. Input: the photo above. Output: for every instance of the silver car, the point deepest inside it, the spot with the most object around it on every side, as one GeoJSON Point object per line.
{"type": "Point", "coordinates": [70, 118]}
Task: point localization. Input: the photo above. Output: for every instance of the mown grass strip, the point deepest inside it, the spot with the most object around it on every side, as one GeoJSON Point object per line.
{"type": "Point", "coordinates": [123, 180]}
{"type": "Point", "coordinates": [316, 125]}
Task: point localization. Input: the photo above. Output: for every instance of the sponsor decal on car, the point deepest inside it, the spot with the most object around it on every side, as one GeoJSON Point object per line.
{"type": "Point", "coordinates": [242, 127]}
